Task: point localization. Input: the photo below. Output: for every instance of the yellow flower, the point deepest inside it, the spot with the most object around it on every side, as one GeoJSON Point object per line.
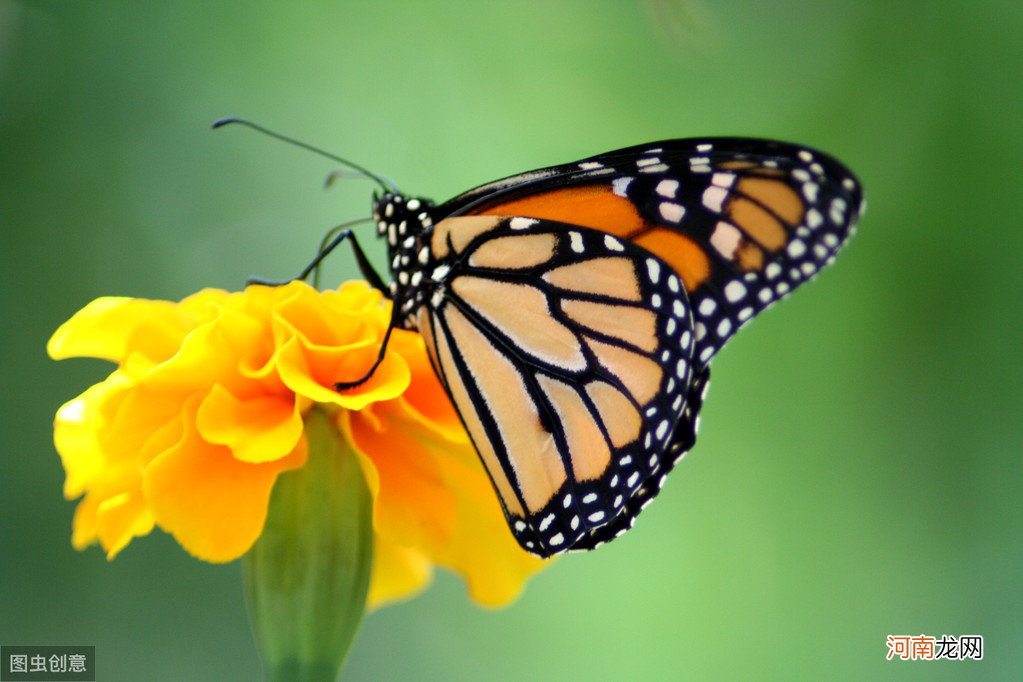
{"type": "Point", "coordinates": [206, 409]}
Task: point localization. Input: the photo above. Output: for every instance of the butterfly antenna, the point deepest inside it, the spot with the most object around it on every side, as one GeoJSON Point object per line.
{"type": "Point", "coordinates": [333, 176]}
{"type": "Point", "coordinates": [386, 185]}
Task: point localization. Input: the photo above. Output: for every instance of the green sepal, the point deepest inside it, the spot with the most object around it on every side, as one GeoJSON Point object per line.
{"type": "Point", "coordinates": [308, 574]}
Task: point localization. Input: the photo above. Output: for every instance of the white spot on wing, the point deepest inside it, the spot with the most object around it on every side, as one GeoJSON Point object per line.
{"type": "Point", "coordinates": [522, 223]}
{"type": "Point", "coordinates": [671, 212]}
{"type": "Point", "coordinates": [613, 244]}
{"type": "Point", "coordinates": [620, 186]}
{"type": "Point", "coordinates": [735, 290]}
{"type": "Point", "coordinates": [714, 197]}
{"type": "Point", "coordinates": [653, 269]}
{"type": "Point", "coordinates": [723, 179]}
{"type": "Point", "coordinates": [725, 239]}
{"type": "Point", "coordinates": [667, 188]}
{"type": "Point", "coordinates": [796, 248]}
{"type": "Point", "coordinates": [810, 191]}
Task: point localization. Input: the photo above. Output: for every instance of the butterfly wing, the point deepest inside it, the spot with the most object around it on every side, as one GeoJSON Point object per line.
{"type": "Point", "coordinates": [743, 222]}
{"type": "Point", "coordinates": [682, 439]}
{"type": "Point", "coordinates": [567, 353]}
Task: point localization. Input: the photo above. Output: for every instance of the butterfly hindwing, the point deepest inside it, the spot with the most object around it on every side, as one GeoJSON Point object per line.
{"type": "Point", "coordinates": [567, 352]}
{"type": "Point", "coordinates": [682, 439]}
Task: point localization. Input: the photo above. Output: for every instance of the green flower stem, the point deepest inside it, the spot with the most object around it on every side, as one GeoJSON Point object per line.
{"type": "Point", "coordinates": [308, 574]}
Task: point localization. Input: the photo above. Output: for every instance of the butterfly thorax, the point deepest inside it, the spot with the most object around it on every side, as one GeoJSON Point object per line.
{"type": "Point", "coordinates": [406, 223]}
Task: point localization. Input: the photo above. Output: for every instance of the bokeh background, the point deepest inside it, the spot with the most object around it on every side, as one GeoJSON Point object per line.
{"type": "Point", "coordinates": [859, 469]}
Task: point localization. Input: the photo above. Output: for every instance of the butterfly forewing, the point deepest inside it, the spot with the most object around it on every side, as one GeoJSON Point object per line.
{"type": "Point", "coordinates": [743, 222]}
{"type": "Point", "coordinates": [567, 352]}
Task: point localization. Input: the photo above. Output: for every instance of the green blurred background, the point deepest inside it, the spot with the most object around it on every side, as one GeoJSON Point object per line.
{"type": "Point", "coordinates": [859, 467]}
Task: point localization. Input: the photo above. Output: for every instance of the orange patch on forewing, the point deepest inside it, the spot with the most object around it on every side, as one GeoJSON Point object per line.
{"type": "Point", "coordinates": [778, 197]}
{"type": "Point", "coordinates": [460, 232]}
{"type": "Point", "coordinates": [640, 375]}
{"type": "Point", "coordinates": [587, 449]}
{"type": "Point", "coordinates": [595, 206]}
{"type": "Point", "coordinates": [514, 252]}
{"type": "Point", "coordinates": [529, 447]}
{"type": "Point", "coordinates": [609, 276]}
{"type": "Point", "coordinates": [685, 256]}
{"type": "Point", "coordinates": [619, 415]}
{"type": "Point", "coordinates": [470, 415]}
{"type": "Point", "coordinates": [521, 312]}
{"type": "Point", "coordinates": [760, 225]}
{"type": "Point", "coordinates": [637, 326]}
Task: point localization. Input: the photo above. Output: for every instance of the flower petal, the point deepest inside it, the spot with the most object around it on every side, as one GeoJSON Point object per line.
{"type": "Point", "coordinates": [256, 430]}
{"type": "Point", "coordinates": [121, 518]}
{"type": "Point", "coordinates": [313, 373]}
{"type": "Point", "coordinates": [76, 437]}
{"type": "Point", "coordinates": [112, 327]}
{"type": "Point", "coordinates": [434, 496]}
{"type": "Point", "coordinates": [482, 549]}
{"type": "Point", "coordinates": [414, 505]}
{"type": "Point", "coordinates": [398, 573]}
{"type": "Point", "coordinates": [425, 395]}
{"type": "Point", "coordinates": [213, 504]}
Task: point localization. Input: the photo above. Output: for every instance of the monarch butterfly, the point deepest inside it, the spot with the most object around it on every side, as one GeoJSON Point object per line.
{"type": "Point", "coordinates": [571, 312]}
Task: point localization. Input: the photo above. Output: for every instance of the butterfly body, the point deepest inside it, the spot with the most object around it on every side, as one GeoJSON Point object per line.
{"type": "Point", "coordinates": [571, 312]}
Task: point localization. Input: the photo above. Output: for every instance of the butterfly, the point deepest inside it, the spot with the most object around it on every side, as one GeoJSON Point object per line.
{"type": "Point", "coordinates": [571, 312]}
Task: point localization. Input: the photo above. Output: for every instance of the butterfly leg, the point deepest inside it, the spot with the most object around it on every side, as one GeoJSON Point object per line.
{"type": "Point", "coordinates": [360, 258]}
{"type": "Point", "coordinates": [345, 385]}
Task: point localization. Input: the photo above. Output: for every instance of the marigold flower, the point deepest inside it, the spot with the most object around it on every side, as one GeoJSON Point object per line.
{"type": "Point", "coordinates": [206, 410]}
